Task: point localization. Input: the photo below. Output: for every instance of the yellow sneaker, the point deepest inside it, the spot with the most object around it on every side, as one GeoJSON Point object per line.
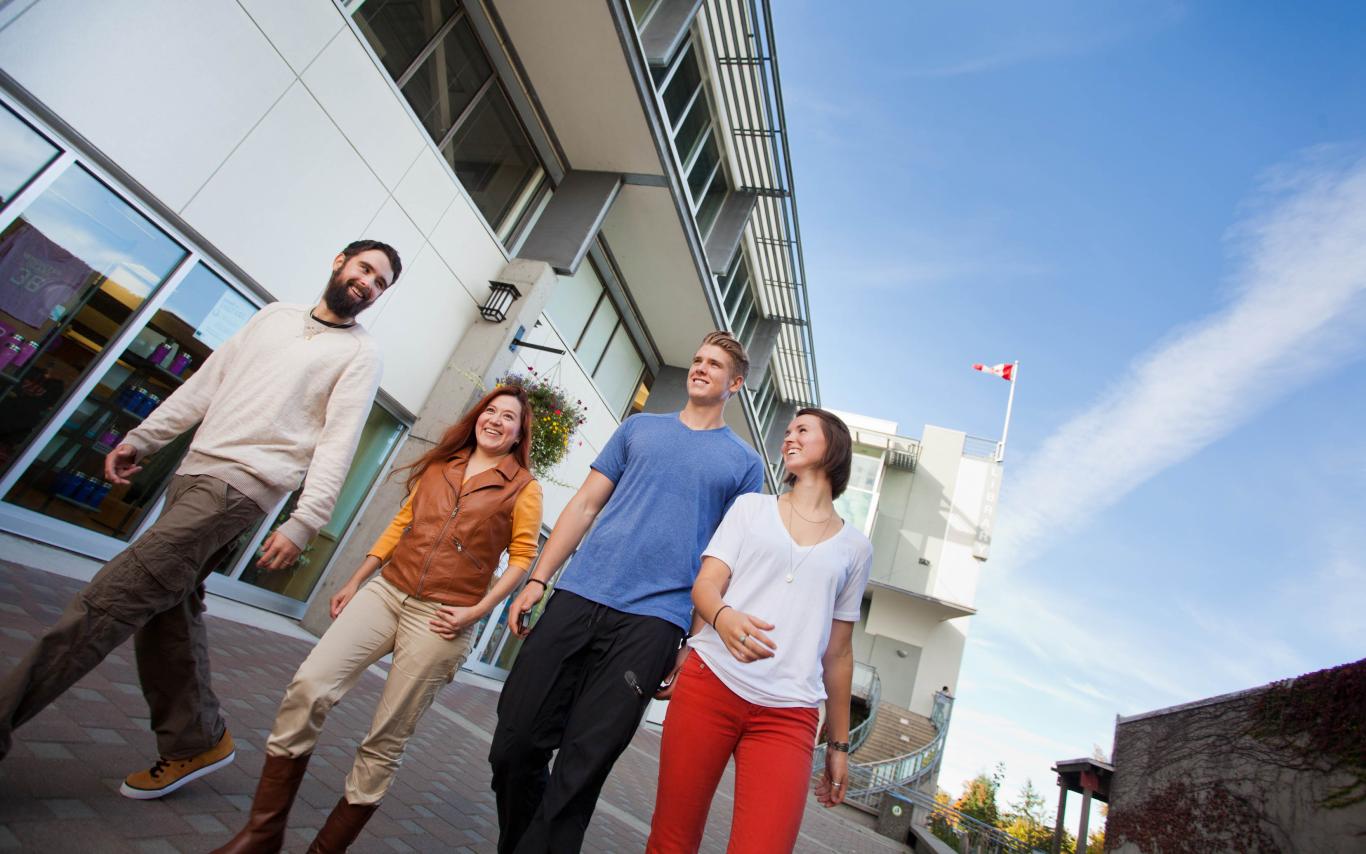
{"type": "Point", "coordinates": [167, 775]}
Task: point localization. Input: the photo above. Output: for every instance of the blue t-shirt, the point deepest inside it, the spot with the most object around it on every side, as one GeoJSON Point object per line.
{"type": "Point", "coordinates": [673, 485]}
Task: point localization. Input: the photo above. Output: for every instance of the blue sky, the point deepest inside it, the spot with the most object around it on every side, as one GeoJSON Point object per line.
{"type": "Point", "coordinates": [1160, 210]}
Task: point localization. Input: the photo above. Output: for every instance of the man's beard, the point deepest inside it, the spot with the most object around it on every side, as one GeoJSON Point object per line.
{"type": "Point", "coordinates": [340, 301]}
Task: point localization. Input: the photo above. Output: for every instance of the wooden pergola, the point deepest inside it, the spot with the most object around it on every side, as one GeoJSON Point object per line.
{"type": "Point", "coordinates": [1090, 778]}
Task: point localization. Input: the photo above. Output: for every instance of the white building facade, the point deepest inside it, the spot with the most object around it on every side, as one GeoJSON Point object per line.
{"type": "Point", "coordinates": [169, 166]}
{"type": "Point", "coordinates": [928, 507]}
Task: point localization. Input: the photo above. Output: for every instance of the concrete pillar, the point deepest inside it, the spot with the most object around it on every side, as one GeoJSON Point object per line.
{"type": "Point", "coordinates": [1062, 813]}
{"type": "Point", "coordinates": [670, 391]}
{"type": "Point", "coordinates": [480, 358]}
{"type": "Point", "coordinates": [1085, 819]}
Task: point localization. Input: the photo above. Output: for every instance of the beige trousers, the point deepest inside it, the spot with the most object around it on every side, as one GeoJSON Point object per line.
{"type": "Point", "coordinates": [380, 619]}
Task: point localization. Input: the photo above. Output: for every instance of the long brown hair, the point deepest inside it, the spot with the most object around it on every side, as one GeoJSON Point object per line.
{"type": "Point", "coordinates": [460, 435]}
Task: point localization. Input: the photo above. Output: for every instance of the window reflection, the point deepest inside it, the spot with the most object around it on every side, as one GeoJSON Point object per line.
{"type": "Point", "coordinates": [66, 481]}
{"type": "Point", "coordinates": [23, 154]}
{"type": "Point", "coordinates": [400, 29]}
{"type": "Point", "coordinates": [378, 439]}
{"type": "Point", "coordinates": [74, 267]}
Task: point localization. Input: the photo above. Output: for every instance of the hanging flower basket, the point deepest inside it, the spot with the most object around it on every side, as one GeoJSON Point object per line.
{"type": "Point", "coordinates": [555, 418]}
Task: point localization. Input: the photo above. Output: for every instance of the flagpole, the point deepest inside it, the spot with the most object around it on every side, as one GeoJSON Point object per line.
{"type": "Point", "coordinates": [1005, 431]}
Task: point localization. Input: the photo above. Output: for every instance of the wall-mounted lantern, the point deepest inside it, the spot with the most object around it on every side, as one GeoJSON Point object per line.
{"type": "Point", "coordinates": [501, 297]}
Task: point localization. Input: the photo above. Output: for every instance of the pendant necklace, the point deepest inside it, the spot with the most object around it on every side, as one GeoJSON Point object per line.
{"type": "Point", "coordinates": [792, 543]}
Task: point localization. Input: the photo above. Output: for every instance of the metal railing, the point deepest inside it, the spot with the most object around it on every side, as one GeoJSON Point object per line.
{"type": "Point", "coordinates": [976, 446]}
{"type": "Point", "coordinates": [868, 781]}
{"type": "Point", "coordinates": [971, 835]}
{"type": "Point", "coordinates": [867, 687]}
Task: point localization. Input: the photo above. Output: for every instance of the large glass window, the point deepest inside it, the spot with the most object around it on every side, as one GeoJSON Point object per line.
{"type": "Point", "coordinates": [737, 300]}
{"type": "Point", "coordinates": [433, 53]}
{"type": "Point", "coordinates": [582, 311]}
{"type": "Point", "coordinates": [23, 154]}
{"type": "Point", "coordinates": [74, 267]}
{"type": "Point", "coordinates": [856, 504]}
{"type": "Point", "coordinates": [377, 441]}
{"type": "Point", "coordinates": [766, 402]}
{"type": "Point", "coordinates": [66, 481]}
{"type": "Point", "coordinates": [682, 91]}
{"type": "Point", "coordinates": [401, 29]}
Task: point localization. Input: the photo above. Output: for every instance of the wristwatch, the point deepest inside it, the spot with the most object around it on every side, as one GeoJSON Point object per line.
{"type": "Point", "coordinates": [841, 746]}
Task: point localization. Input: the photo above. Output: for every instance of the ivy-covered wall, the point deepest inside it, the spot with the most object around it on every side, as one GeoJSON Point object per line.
{"type": "Point", "coordinates": [1281, 768]}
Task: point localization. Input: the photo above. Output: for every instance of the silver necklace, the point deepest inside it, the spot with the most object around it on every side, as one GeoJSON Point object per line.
{"type": "Point", "coordinates": [792, 542]}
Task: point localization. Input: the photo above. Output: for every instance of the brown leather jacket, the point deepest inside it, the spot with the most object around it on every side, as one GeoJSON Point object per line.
{"type": "Point", "coordinates": [450, 550]}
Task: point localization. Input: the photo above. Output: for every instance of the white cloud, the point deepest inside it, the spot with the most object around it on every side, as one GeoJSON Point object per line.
{"type": "Point", "coordinates": [1298, 306]}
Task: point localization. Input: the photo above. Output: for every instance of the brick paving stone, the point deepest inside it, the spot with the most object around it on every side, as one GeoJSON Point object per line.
{"type": "Point", "coordinates": [76, 753]}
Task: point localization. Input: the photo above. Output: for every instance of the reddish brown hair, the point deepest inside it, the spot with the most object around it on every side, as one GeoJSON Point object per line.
{"type": "Point", "coordinates": [460, 435]}
{"type": "Point", "coordinates": [839, 450]}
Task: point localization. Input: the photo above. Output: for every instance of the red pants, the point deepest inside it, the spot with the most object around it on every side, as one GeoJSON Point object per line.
{"type": "Point", "coordinates": [707, 723]}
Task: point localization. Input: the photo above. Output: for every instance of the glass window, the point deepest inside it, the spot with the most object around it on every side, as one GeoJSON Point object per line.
{"type": "Point", "coordinates": [573, 301]}
{"type": "Point", "coordinates": [619, 371]}
{"type": "Point", "coordinates": [377, 441]}
{"type": "Point", "coordinates": [596, 335]}
{"type": "Point", "coordinates": [66, 481]}
{"type": "Point", "coordinates": [74, 267]}
{"type": "Point", "coordinates": [702, 169]}
{"type": "Point", "coordinates": [694, 130]}
{"type": "Point", "coordinates": [863, 471]}
{"type": "Point", "coordinates": [462, 107]}
{"type": "Point", "coordinates": [23, 154]}
{"type": "Point", "coordinates": [681, 87]}
{"type": "Point", "coordinates": [853, 506]}
{"type": "Point", "coordinates": [765, 402]}
{"type": "Point", "coordinates": [492, 156]}
{"type": "Point", "coordinates": [640, 10]}
{"type": "Point", "coordinates": [710, 205]}
{"type": "Point", "coordinates": [445, 85]}
{"type": "Point", "coordinates": [399, 29]}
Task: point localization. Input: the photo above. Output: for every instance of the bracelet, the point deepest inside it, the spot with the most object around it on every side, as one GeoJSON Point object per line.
{"type": "Point", "coordinates": [840, 746]}
{"type": "Point", "coordinates": [544, 586]}
{"type": "Point", "coordinates": [718, 613]}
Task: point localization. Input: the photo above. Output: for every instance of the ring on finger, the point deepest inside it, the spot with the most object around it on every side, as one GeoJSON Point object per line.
{"type": "Point", "coordinates": [744, 639]}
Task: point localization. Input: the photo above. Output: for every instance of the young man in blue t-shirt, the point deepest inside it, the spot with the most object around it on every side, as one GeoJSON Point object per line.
{"type": "Point", "coordinates": [610, 637]}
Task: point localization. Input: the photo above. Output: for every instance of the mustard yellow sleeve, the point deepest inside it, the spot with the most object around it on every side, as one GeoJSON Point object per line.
{"type": "Point", "coordinates": [388, 541]}
{"type": "Point", "coordinates": [526, 527]}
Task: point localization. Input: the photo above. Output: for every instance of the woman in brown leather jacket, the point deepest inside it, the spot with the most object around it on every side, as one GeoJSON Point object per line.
{"type": "Point", "coordinates": [470, 498]}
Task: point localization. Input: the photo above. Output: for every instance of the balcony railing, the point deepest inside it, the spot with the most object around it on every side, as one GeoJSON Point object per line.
{"type": "Point", "coordinates": [868, 781]}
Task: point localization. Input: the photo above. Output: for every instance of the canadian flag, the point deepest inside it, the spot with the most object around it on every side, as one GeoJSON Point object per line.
{"type": "Point", "coordinates": [1005, 371]}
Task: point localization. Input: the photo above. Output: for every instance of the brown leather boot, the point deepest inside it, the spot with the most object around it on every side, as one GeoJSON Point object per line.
{"type": "Point", "coordinates": [265, 830]}
{"type": "Point", "coordinates": [342, 827]}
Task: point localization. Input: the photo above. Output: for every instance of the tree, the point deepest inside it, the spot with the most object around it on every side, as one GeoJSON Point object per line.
{"type": "Point", "coordinates": [979, 796]}
{"type": "Point", "coordinates": [1027, 819]}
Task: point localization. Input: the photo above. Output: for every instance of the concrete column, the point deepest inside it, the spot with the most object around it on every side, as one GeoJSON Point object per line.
{"type": "Point", "coordinates": [1085, 819]}
{"type": "Point", "coordinates": [670, 391]}
{"type": "Point", "coordinates": [1057, 822]}
{"type": "Point", "coordinates": [480, 358]}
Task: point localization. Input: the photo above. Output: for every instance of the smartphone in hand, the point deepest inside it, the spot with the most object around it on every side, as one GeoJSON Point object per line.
{"type": "Point", "coordinates": [523, 622]}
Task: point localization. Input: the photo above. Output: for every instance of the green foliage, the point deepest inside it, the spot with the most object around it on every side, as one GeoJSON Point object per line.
{"type": "Point", "coordinates": [979, 797]}
{"type": "Point", "coordinates": [555, 420]}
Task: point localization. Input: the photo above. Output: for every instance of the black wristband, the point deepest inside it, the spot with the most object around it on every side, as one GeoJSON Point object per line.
{"type": "Point", "coordinates": [840, 746]}
{"type": "Point", "coordinates": [544, 586]}
{"type": "Point", "coordinates": [718, 613]}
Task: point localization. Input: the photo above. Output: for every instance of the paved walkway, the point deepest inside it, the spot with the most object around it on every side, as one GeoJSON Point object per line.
{"type": "Point", "coordinates": [59, 785]}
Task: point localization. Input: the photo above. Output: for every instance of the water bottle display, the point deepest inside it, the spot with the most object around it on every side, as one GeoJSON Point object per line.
{"type": "Point", "coordinates": [181, 362]}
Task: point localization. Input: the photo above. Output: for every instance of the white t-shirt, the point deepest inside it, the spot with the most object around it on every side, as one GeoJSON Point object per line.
{"type": "Point", "coordinates": [827, 583]}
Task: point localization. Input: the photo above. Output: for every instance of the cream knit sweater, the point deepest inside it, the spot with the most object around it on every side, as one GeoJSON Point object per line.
{"type": "Point", "coordinates": [282, 397]}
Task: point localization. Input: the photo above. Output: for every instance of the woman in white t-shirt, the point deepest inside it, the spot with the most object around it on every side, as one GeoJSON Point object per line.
{"type": "Point", "coordinates": [774, 608]}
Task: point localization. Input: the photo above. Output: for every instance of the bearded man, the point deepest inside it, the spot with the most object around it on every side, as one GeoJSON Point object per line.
{"type": "Point", "coordinates": [288, 394]}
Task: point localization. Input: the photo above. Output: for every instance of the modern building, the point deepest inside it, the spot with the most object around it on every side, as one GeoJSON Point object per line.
{"type": "Point", "coordinates": [168, 167]}
{"type": "Point", "coordinates": [928, 506]}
